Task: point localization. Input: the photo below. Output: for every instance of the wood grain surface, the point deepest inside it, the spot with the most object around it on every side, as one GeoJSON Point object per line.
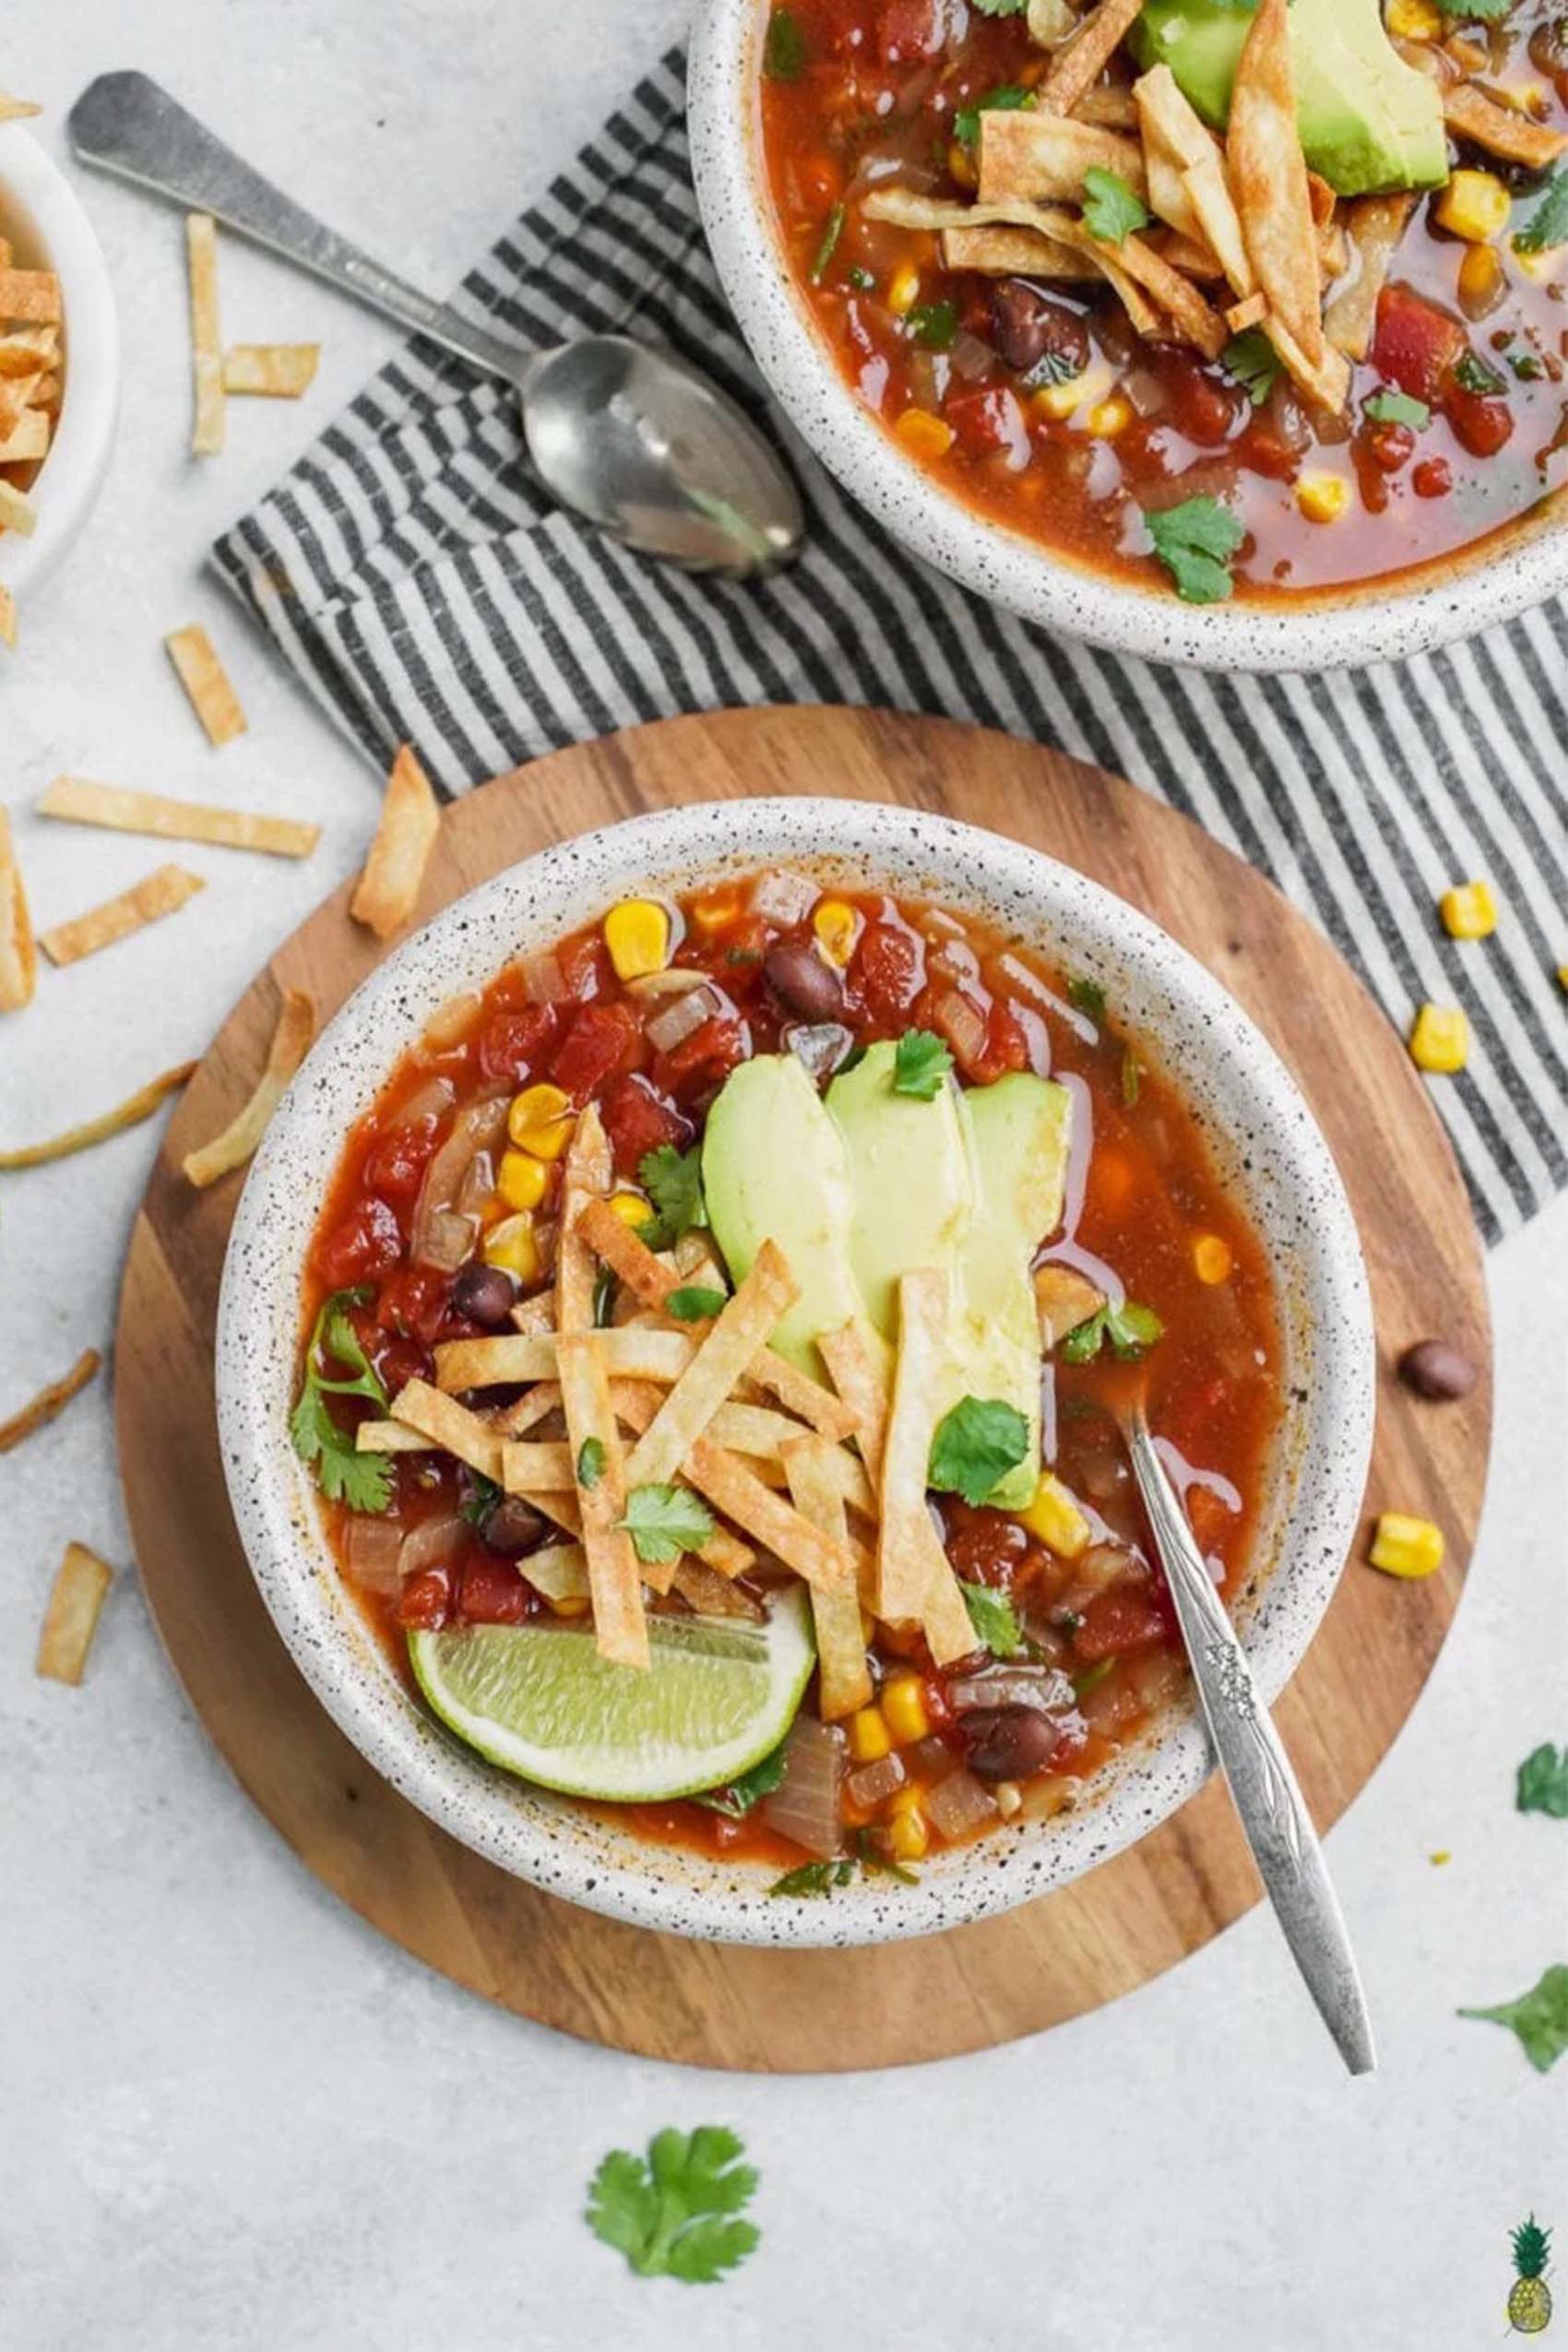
{"type": "Point", "coordinates": [720, 2005]}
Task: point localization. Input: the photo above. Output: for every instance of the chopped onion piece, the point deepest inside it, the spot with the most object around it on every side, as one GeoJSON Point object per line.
{"type": "Point", "coordinates": [449, 1240]}
{"type": "Point", "coordinates": [1046, 1690]}
{"type": "Point", "coordinates": [479, 1182]}
{"type": "Point", "coordinates": [821, 1047]}
{"type": "Point", "coordinates": [431, 1541]}
{"type": "Point", "coordinates": [805, 1807]}
{"type": "Point", "coordinates": [371, 1547]}
{"type": "Point", "coordinates": [448, 1022]}
{"type": "Point", "coordinates": [959, 1804]}
{"type": "Point", "coordinates": [543, 980]}
{"type": "Point", "coordinates": [783, 898]}
{"type": "Point", "coordinates": [961, 1023]}
{"type": "Point", "coordinates": [875, 1783]}
{"type": "Point", "coordinates": [674, 980]}
{"type": "Point", "coordinates": [680, 1019]}
{"type": "Point", "coordinates": [971, 358]}
{"type": "Point", "coordinates": [478, 1127]}
{"type": "Point", "coordinates": [433, 1100]}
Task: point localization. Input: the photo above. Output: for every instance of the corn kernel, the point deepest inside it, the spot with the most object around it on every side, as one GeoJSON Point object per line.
{"type": "Point", "coordinates": [903, 289]}
{"type": "Point", "coordinates": [1440, 1041]}
{"type": "Point", "coordinates": [1106, 419]}
{"type": "Point", "coordinates": [835, 924]}
{"type": "Point", "coordinates": [710, 915]}
{"type": "Point", "coordinates": [1562, 977]}
{"type": "Point", "coordinates": [869, 1740]}
{"type": "Point", "coordinates": [571, 1605]}
{"type": "Point", "coordinates": [1061, 400]}
{"type": "Point", "coordinates": [1323, 498]}
{"type": "Point", "coordinates": [1475, 206]}
{"type": "Point", "coordinates": [1482, 281]}
{"type": "Point", "coordinates": [923, 434]}
{"type": "Point", "coordinates": [1211, 1258]}
{"type": "Point", "coordinates": [1405, 1547]}
{"type": "Point", "coordinates": [1056, 1519]}
{"type": "Point", "coordinates": [1413, 20]}
{"type": "Point", "coordinates": [906, 1831]}
{"type": "Point", "coordinates": [1009, 1798]}
{"type": "Point", "coordinates": [631, 1208]}
{"type": "Point", "coordinates": [513, 1244]}
{"type": "Point", "coordinates": [637, 935]}
{"type": "Point", "coordinates": [1468, 911]}
{"type": "Point", "coordinates": [961, 165]}
{"type": "Point", "coordinates": [541, 1121]}
{"type": "Point", "coordinates": [520, 1180]}
{"type": "Point", "coordinates": [903, 1710]}
{"type": "Point", "coordinates": [1441, 1856]}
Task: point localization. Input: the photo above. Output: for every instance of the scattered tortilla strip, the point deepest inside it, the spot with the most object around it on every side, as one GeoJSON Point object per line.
{"type": "Point", "coordinates": [775, 1524]}
{"type": "Point", "coordinates": [28, 440]}
{"type": "Point", "coordinates": [903, 1550]}
{"type": "Point", "coordinates": [1500, 129]}
{"type": "Point", "coordinates": [1268, 178]}
{"type": "Point", "coordinates": [949, 1634]}
{"type": "Point", "coordinates": [205, 681]}
{"type": "Point", "coordinates": [8, 616]}
{"type": "Point", "coordinates": [1111, 104]}
{"type": "Point", "coordinates": [1042, 157]}
{"type": "Point", "coordinates": [1191, 316]}
{"type": "Point", "coordinates": [1193, 256]}
{"type": "Point", "coordinates": [16, 110]}
{"type": "Point", "coordinates": [1080, 62]}
{"type": "Point", "coordinates": [559, 1571]}
{"type": "Point", "coordinates": [391, 1437]}
{"type": "Point", "coordinates": [1322, 198]}
{"type": "Point", "coordinates": [635, 1403]}
{"type": "Point", "coordinates": [207, 340]}
{"type": "Point", "coordinates": [859, 1365]}
{"type": "Point", "coordinates": [81, 801]}
{"type": "Point", "coordinates": [711, 1595]}
{"type": "Point", "coordinates": [1015, 253]}
{"type": "Point", "coordinates": [161, 893]}
{"type": "Point", "coordinates": [586, 1175]}
{"type": "Point", "coordinates": [852, 1355]}
{"type": "Point", "coordinates": [1168, 117]}
{"type": "Point", "coordinates": [553, 1502]}
{"type": "Point", "coordinates": [734, 1340]}
{"type": "Point", "coordinates": [843, 1676]}
{"type": "Point", "coordinates": [137, 1107]}
{"type": "Point", "coordinates": [18, 396]}
{"type": "Point", "coordinates": [1241, 316]}
{"type": "Point", "coordinates": [634, 1352]}
{"type": "Point", "coordinates": [32, 297]}
{"type": "Point", "coordinates": [536, 1406]}
{"type": "Point", "coordinates": [28, 350]}
{"type": "Point", "coordinates": [270, 371]}
{"type": "Point", "coordinates": [1333, 252]}
{"type": "Point", "coordinates": [1208, 191]}
{"type": "Point", "coordinates": [450, 1426]}
{"type": "Point", "coordinates": [620, 1625]}
{"type": "Point", "coordinates": [42, 1409]}
{"type": "Point", "coordinates": [70, 1621]}
{"type": "Point", "coordinates": [18, 512]}
{"type": "Point", "coordinates": [754, 1430]}
{"type": "Point", "coordinates": [545, 1466]}
{"type": "Point", "coordinates": [1375, 225]}
{"type": "Point", "coordinates": [537, 1314]}
{"type": "Point", "coordinates": [1168, 194]}
{"type": "Point", "coordinates": [237, 1143]}
{"type": "Point", "coordinates": [1327, 384]}
{"type": "Point", "coordinates": [18, 956]}
{"type": "Point", "coordinates": [387, 891]}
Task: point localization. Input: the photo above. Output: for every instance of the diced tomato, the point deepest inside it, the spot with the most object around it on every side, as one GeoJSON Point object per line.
{"type": "Point", "coordinates": [1416, 344]}
{"type": "Point", "coordinates": [1433, 478]}
{"type": "Point", "coordinates": [637, 1119]}
{"type": "Point", "coordinates": [1211, 1519]}
{"type": "Point", "coordinates": [887, 972]}
{"type": "Point", "coordinates": [1007, 1048]}
{"type": "Point", "coordinates": [602, 1041]}
{"type": "Point", "coordinates": [1389, 447]}
{"type": "Point", "coordinates": [1481, 422]}
{"type": "Point", "coordinates": [412, 1303]}
{"type": "Point", "coordinates": [1125, 1618]}
{"type": "Point", "coordinates": [399, 1360]}
{"type": "Point", "coordinates": [908, 29]}
{"type": "Point", "coordinates": [703, 1059]}
{"type": "Point", "coordinates": [585, 965]}
{"type": "Point", "coordinates": [1198, 404]}
{"type": "Point", "coordinates": [513, 1045]}
{"type": "Point", "coordinates": [1262, 448]}
{"type": "Point", "coordinates": [425, 1602]}
{"type": "Point", "coordinates": [364, 1243]}
{"type": "Point", "coordinates": [1372, 478]}
{"type": "Point", "coordinates": [395, 1167]}
{"type": "Point", "coordinates": [989, 417]}
{"type": "Point", "coordinates": [491, 1592]}
{"type": "Point", "coordinates": [985, 1546]}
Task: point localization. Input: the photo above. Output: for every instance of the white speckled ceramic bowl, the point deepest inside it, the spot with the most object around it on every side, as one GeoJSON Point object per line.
{"type": "Point", "coordinates": [1384, 621]}
{"type": "Point", "coordinates": [1260, 1131]}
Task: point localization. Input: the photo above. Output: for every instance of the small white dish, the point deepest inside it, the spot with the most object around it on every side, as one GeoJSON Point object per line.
{"type": "Point", "coordinates": [40, 214]}
{"type": "Point", "coordinates": [1261, 1131]}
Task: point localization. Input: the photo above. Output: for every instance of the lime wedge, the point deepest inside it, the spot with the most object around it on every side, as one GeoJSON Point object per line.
{"type": "Point", "coordinates": [538, 1700]}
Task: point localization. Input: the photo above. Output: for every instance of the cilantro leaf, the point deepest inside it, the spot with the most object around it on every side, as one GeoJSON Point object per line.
{"type": "Point", "coordinates": [1481, 12]}
{"type": "Point", "coordinates": [694, 1303]}
{"type": "Point", "coordinates": [814, 1878]}
{"type": "Point", "coordinates": [784, 47]}
{"type": "Point", "coordinates": [665, 1521]}
{"type": "Point", "coordinates": [1000, 8]}
{"type": "Point", "coordinates": [1543, 1782]}
{"type": "Point", "coordinates": [1539, 2017]}
{"type": "Point", "coordinates": [872, 1858]}
{"type": "Point", "coordinates": [1129, 1327]}
{"type": "Point", "coordinates": [1399, 407]}
{"type": "Point", "coordinates": [1088, 995]}
{"type": "Point", "coordinates": [975, 1446]}
{"type": "Point", "coordinates": [1548, 224]}
{"type": "Point", "coordinates": [1252, 359]}
{"type": "Point", "coordinates": [994, 1619]}
{"type": "Point", "coordinates": [672, 1180]}
{"type": "Point", "coordinates": [1006, 98]}
{"type": "Point", "coordinates": [1195, 541]}
{"type": "Point", "coordinates": [672, 2211]}
{"type": "Point", "coordinates": [362, 1481]}
{"type": "Point", "coordinates": [1111, 209]}
{"type": "Point", "coordinates": [1472, 373]}
{"type": "Point", "coordinates": [607, 1284]}
{"type": "Point", "coordinates": [737, 1797]}
{"type": "Point", "coordinates": [920, 1064]}
{"type": "Point", "coordinates": [830, 236]}
{"type": "Point", "coordinates": [480, 1499]}
{"type": "Point", "coordinates": [590, 1462]}
{"type": "Point", "coordinates": [933, 325]}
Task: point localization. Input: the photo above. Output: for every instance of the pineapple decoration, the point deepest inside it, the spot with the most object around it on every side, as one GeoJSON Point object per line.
{"type": "Point", "coordinates": [1529, 2300]}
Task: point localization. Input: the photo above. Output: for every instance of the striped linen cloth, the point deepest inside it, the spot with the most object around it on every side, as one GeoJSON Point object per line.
{"type": "Point", "coordinates": [425, 591]}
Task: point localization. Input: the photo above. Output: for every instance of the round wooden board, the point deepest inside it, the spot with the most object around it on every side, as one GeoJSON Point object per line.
{"type": "Point", "coordinates": [725, 2005]}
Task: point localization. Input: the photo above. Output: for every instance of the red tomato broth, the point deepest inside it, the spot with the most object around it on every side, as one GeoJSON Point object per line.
{"type": "Point", "coordinates": [1149, 1186]}
{"type": "Point", "coordinates": [869, 88]}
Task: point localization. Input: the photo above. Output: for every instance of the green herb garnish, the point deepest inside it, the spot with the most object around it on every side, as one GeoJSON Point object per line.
{"type": "Point", "coordinates": [1399, 407]}
{"type": "Point", "coordinates": [1111, 209]}
{"type": "Point", "coordinates": [694, 1303]}
{"type": "Point", "coordinates": [606, 1288]}
{"type": "Point", "coordinates": [483, 1496]}
{"type": "Point", "coordinates": [1129, 1327]}
{"type": "Point", "coordinates": [830, 237]}
{"type": "Point", "coordinates": [814, 1878]}
{"type": "Point", "coordinates": [736, 1799]}
{"type": "Point", "coordinates": [1088, 995]}
{"type": "Point", "coordinates": [784, 47]}
{"type": "Point", "coordinates": [1472, 373]}
{"type": "Point", "coordinates": [1195, 541]}
{"type": "Point", "coordinates": [861, 279]}
{"type": "Point", "coordinates": [920, 1064]}
{"type": "Point", "coordinates": [1543, 1782]}
{"type": "Point", "coordinates": [1000, 8]}
{"type": "Point", "coordinates": [1479, 12]}
{"type": "Point", "coordinates": [975, 1446]}
{"type": "Point", "coordinates": [672, 1180]}
{"type": "Point", "coordinates": [673, 2213]}
{"type": "Point", "coordinates": [1252, 359]}
{"type": "Point", "coordinates": [1539, 2017]}
{"type": "Point", "coordinates": [994, 1619]}
{"type": "Point", "coordinates": [590, 1462]}
{"type": "Point", "coordinates": [932, 325]}
{"type": "Point", "coordinates": [1091, 1676]}
{"type": "Point", "coordinates": [1006, 99]}
{"type": "Point", "coordinates": [1548, 224]}
{"type": "Point", "coordinates": [362, 1481]}
{"type": "Point", "coordinates": [665, 1521]}
{"type": "Point", "coordinates": [872, 1858]}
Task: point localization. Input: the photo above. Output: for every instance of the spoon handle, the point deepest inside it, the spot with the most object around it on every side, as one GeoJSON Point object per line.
{"type": "Point", "coordinates": [1273, 1813]}
{"type": "Point", "coordinates": [125, 125]}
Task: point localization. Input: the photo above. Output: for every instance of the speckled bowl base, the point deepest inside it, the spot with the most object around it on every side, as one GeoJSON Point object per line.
{"type": "Point", "coordinates": [1262, 1134]}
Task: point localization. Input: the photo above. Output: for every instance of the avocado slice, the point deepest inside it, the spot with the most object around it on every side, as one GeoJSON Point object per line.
{"type": "Point", "coordinates": [1367, 120]}
{"type": "Point", "coordinates": [911, 1174]}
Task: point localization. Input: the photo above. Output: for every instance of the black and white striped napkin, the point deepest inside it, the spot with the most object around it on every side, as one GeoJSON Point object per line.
{"type": "Point", "coordinates": [425, 592]}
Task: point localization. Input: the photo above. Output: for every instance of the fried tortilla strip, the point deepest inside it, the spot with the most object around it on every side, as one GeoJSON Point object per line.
{"type": "Point", "coordinates": [734, 1340]}
{"type": "Point", "coordinates": [290, 1043]}
{"type": "Point", "coordinates": [635, 1403]}
{"type": "Point", "coordinates": [18, 512]}
{"type": "Point", "coordinates": [1209, 192]}
{"type": "Point", "coordinates": [1327, 385]}
{"type": "Point", "coordinates": [821, 1560]}
{"type": "Point", "coordinates": [1241, 316]}
{"type": "Point", "coordinates": [79, 800]}
{"type": "Point", "coordinates": [905, 210]}
{"type": "Point", "coordinates": [1191, 317]}
{"type": "Point", "coordinates": [711, 1595]}
{"type": "Point", "coordinates": [1015, 252]}
{"type": "Point", "coordinates": [1111, 105]}
{"type": "Point", "coordinates": [1042, 157]}
{"type": "Point", "coordinates": [1333, 252]}
{"type": "Point", "coordinates": [949, 1632]}
{"type": "Point", "coordinates": [16, 110]}
{"type": "Point", "coordinates": [8, 616]}
{"type": "Point", "coordinates": [18, 956]}
{"type": "Point", "coordinates": [1268, 177]}
{"type": "Point", "coordinates": [536, 1406]}
{"type": "Point", "coordinates": [129, 1113]}
{"type": "Point", "coordinates": [28, 352]}
{"type": "Point", "coordinates": [559, 1571]}
{"type": "Point", "coordinates": [42, 1409]}
{"type": "Point", "coordinates": [634, 1352]}
{"type": "Point", "coordinates": [1500, 129]}
{"type": "Point", "coordinates": [544, 1467]}
{"type": "Point", "coordinates": [391, 1437]}
{"type": "Point", "coordinates": [859, 1365]}
{"type": "Point", "coordinates": [451, 1426]}
{"type": "Point", "coordinates": [537, 1314]}
{"type": "Point", "coordinates": [1080, 62]}
{"type": "Point", "coordinates": [1375, 225]}
{"type": "Point", "coordinates": [27, 440]}
{"type": "Point", "coordinates": [207, 340]}
{"type": "Point", "coordinates": [614, 1576]}
{"type": "Point", "coordinates": [161, 893]}
{"type": "Point", "coordinates": [1192, 255]}
{"type": "Point", "coordinates": [270, 371]}
{"type": "Point", "coordinates": [753, 1430]}
{"type": "Point", "coordinates": [205, 681]}
{"type": "Point", "coordinates": [32, 297]}
{"type": "Point", "coordinates": [903, 1547]}
{"type": "Point", "coordinates": [585, 1176]}
{"type": "Point", "coordinates": [70, 1621]}
{"type": "Point", "coordinates": [387, 891]}
{"type": "Point", "coordinates": [843, 1676]}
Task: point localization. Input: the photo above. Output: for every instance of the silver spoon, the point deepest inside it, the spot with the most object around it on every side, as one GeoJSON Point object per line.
{"type": "Point", "coordinates": [634, 438]}
{"type": "Point", "coordinates": [1277, 1826]}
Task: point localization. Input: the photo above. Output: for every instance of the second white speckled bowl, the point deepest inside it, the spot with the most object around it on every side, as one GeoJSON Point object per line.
{"type": "Point", "coordinates": [1259, 1129]}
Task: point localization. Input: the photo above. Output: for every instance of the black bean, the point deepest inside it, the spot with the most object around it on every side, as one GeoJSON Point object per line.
{"type": "Point", "coordinates": [1030, 327]}
{"type": "Point", "coordinates": [1433, 1368]}
{"type": "Point", "coordinates": [511, 1525]}
{"type": "Point", "coordinates": [803, 982]}
{"type": "Point", "coordinates": [1009, 1743]}
{"type": "Point", "coordinates": [484, 1294]}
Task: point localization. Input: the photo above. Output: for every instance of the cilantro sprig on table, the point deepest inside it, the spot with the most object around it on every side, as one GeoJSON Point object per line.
{"type": "Point", "coordinates": [975, 1446]}
{"type": "Point", "coordinates": [674, 2213]}
{"type": "Point", "coordinates": [1195, 541]}
{"type": "Point", "coordinates": [362, 1481]}
{"type": "Point", "coordinates": [995, 1620]}
{"type": "Point", "coordinates": [665, 1521]}
{"type": "Point", "coordinates": [921, 1061]}
{"type": "Point", "coordinates": [1542, 1786]}
{"type": "Point", "coordinates": [1111, 209]}
{"type": "Point", "coordinates": [1539, 2017]}
{"type": "Point", "coordinates": [672, 1180]}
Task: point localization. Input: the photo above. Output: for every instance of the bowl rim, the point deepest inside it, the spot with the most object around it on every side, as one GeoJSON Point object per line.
{"type": "Point", "coordinates": [36, 193]}
{"type": "Point", "coordinates": [553, 1845]}
{"type": "Point", "coordinates": [1492, 580]}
